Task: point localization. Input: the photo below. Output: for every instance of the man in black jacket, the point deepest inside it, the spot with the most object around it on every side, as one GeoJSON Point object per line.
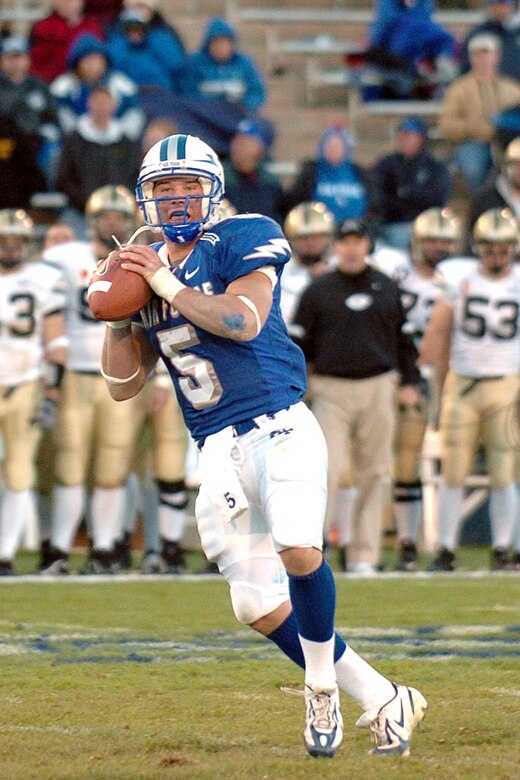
{"type": "Point", "coordinates": [350, 327]}
{"type": "Point", "coordinates": [406, 182]}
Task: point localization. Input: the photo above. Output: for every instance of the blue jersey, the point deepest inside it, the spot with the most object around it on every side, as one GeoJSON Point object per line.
{"type": "Point", "coordinates": [220, 381]}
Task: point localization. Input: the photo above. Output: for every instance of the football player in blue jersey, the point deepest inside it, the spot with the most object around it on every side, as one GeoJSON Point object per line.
{"type": "Point", "coordinates": [215, 322]}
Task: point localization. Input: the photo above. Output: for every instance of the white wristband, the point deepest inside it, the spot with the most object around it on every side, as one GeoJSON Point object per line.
{"type": "Point", "coordinates": [165, 284]}
{"type": "Point", "coordinates": [114, 380]}
{"type": "Point", "coordinates": [118, 324]}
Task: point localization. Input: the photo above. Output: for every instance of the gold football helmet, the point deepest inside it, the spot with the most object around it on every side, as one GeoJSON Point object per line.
{"type": "Point", "coordinates": [511, 162]}
{"type": "Point", "coordinates": [496, 234]}
{"type": "Point", "coordinates": [309, 219]}
{"type": "Point", "coordinates": [15, 224]}
{"type": "Point", "coordinates": [436, 235]}
{"type": "Point", "coordinates": [114, 200]}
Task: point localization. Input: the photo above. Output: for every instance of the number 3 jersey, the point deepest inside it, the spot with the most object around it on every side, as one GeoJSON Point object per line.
{"type": "Point", "coordinates": [220, 381]}
{"type": "Point", "coordinates": [486, 324]}
{"type": "Point", "coordinates": [28, 294]}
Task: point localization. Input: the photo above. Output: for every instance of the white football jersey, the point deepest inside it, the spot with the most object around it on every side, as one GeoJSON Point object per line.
{"type": "Point", "coordinates": [77, 262]}
{"type": "Point", "coordinates": [486, 324]}
{"type": "Point", "coordinates": [294, 280]}
{"type": "Point", "coordinates": [454, 269]}
{"type": "Point", "coordinates": [418, 296]}
{"type": "Point", "coordinates": [28, 294]}
{"type": "Point", "coordinates": [390, 261]}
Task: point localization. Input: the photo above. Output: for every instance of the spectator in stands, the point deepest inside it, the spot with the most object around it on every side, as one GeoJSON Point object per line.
{"type": "Point", "coordinates": [19, 172]}
{"type": "Point", "coordinates": [354, 381]}
{"type": "Point", "coordinates": [469, 105]}
{"type": "Point", "coordinates": [502, 190]}
{"type": "Point", "coordinates": [88, 66]}
{"type": "Point", "coordinates": [219, 70]}
{"type": "Point", "coordinates": [412, 53]}
{"type": "Point", "coordinates": [149, 54]}
{"type": "Point", "coordinates": [406, 182]}
{"type": "Point", "coordinates": [332, 178]}
{"type": "Point", "coordinates": [502, 21]}
{"type": "Point", "coordinates": [105, 11]}
{"type": "Point", "coordinates": [156, 130]}
{"type": "Point", "coordinates": [28, 103]}
{"type": "Point", "coordinates": [51, 37]}
{"type": "Point", "coordinates": [97, 153]}
{"type": "Point", "coordinates": [250, 186]}
{"type": "Point", "coordinates": [156, 21]}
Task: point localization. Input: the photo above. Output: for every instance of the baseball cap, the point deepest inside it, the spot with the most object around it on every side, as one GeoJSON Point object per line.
{"type": "Point", "coordinates": [15, 44]}
{"type": "Point", "coordinates": [353, 227]}
{"type": "Point", "coordinates": [413, 124]}
{"type": "Point", "coordinates": [484, 42]}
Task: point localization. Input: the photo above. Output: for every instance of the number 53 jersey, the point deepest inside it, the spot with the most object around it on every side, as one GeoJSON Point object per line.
{"type": "Point", "coordinates": [28, 294]}
{"type": "Point", "coordinates": [486, 325]}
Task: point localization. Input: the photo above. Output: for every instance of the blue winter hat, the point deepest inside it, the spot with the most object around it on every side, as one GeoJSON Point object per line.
{"type": "Point", "coordinates": [339, 132]}
{"type": "Point", "coordinates": [254, 129]}
{"type": "Point", "coordinates": [413, 124]}
{"type": "Point", "coordinates": [83, 46]}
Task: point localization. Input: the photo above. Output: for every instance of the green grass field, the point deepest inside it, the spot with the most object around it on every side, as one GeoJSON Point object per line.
{"type": "Point", "coordinates": [155, 679]}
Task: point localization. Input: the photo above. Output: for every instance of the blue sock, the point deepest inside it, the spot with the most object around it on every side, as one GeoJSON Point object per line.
{"type": "Point", "coordinates": [313, 598]}
{"type": "Point", "coordinates": [287, 639]}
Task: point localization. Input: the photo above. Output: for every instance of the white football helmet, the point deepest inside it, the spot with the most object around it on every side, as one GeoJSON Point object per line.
{"type": "Point", "coordinates": [181, 155]}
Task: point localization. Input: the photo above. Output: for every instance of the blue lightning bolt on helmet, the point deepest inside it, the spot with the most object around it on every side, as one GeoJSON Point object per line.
{"type": "Point", "coordinates": [181, 155]}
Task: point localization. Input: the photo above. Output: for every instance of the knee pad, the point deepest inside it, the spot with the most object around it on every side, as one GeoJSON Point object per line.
{"type": "Point", "coordinates": [253, 600]}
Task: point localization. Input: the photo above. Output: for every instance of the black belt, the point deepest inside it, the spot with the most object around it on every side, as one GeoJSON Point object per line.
{"type": "Point", "coordinates": [8, 391]}
{"type": "Point", "coordinates": [474, 380]}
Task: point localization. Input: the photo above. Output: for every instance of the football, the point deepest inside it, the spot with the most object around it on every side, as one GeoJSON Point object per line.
{"type": "Point", "coordinates": [115, 293]}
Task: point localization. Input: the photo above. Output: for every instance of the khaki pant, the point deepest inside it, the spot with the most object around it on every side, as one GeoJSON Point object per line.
{"type": "Point", "coordinates": [17, 407]}
{"type": "Point", "coordinates": [473, 411]}
{"type": "Point", "coordinates": [357, 417]}
{"type": "Point", "coordinates": [94, 433]}
{"type": "Point", "coordinates": [162, 439]}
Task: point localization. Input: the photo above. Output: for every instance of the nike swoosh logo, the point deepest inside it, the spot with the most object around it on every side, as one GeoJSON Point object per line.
{"type": "Point", "coordinates": [188, 275]}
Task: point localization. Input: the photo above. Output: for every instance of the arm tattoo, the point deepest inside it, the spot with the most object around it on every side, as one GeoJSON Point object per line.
{"type": "Point", "coordinates": [234, 323]}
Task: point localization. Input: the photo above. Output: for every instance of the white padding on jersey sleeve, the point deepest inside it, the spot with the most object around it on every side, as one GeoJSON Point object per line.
{"type": "Point", "coordinates": [251, 306]}
{"type": "Point", "coordinates": [270, 272]}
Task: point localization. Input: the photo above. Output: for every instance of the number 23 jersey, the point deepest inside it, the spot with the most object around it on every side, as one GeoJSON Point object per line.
{"type": "Point", "coordinates": [220, 381]}
{"type": "Point", "coordinates": [486, 324]}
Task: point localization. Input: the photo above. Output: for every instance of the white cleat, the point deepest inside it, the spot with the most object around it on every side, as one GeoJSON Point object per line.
{"type": "Point", "coordinates": [323, 722]}
{"type": "Point", "coordinates": [392, 726]}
